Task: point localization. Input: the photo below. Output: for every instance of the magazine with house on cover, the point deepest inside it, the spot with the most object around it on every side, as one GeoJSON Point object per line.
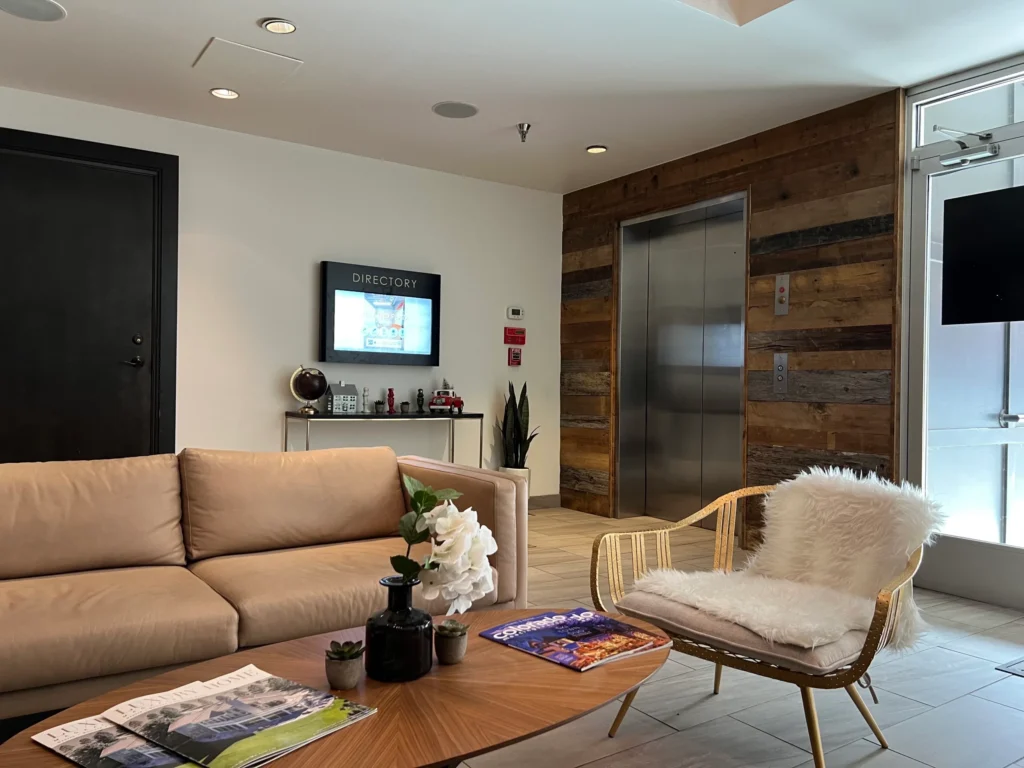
{"type": "Point", "coordinates": [579, 639]}
{"type": "Point", "coordinates": [241, 719]}
{"type": "Point", "coordinates": [98, 743]}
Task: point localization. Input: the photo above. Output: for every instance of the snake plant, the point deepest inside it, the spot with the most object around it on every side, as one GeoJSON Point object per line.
{"type": "Point", "coordinates": [515, 429]}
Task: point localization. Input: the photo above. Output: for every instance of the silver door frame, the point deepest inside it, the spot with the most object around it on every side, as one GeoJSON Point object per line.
{"type": "Point", "coordinates": [975, 569]}
{"type": "Point", "coordinates": [735, 202]}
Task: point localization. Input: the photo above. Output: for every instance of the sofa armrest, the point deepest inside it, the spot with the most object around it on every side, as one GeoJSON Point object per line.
{"type": "Point", "coordinates": [501, 503]}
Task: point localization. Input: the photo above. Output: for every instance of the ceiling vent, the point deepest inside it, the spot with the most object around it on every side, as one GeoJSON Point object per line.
{"type": "Point", "coordinates": [738, 12]}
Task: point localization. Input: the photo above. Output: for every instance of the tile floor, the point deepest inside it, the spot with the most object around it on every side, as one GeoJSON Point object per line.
{"type": "Point", "coordinates": [942, 704]}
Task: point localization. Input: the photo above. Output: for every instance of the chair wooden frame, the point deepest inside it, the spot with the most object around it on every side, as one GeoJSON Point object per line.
{"type": "Point", "coordinates": [883, 622]}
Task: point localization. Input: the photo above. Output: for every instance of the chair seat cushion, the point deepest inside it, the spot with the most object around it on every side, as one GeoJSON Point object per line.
{"type": "Point", "coordinates": [300, 592]}
{"type": "Point", "coordinates": [76, 626]}
{"type": "Point", "coordinates": [691, 623]}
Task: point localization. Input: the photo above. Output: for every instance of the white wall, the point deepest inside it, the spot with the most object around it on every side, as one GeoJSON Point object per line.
{"type": "Point", "coordinates": [256, 216]}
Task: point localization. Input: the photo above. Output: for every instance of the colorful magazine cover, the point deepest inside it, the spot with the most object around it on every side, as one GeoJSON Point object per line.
{"type": "Point", "coordinates": [579, 639]}
{"type": "Point", "coordinates": [244, 718]}
{"type": "Point", "coordinates": [97, 743]}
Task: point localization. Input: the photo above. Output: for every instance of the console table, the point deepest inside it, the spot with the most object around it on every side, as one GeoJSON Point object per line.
{"type": "Point", "coordinates": [341, 418]}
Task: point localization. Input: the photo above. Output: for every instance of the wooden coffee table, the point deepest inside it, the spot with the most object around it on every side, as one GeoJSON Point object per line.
{"type": "Point", "coordinates": [495, 697]}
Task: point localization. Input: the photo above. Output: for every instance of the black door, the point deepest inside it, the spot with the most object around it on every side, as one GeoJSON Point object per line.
{"type": "Point", "coordinates": [88, 260]}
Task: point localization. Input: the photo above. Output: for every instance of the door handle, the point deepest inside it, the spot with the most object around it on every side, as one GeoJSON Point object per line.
{"type": "Point", "coordinates": [1007, 420]}
{"type": "Point", "coordinates": [135, 362]}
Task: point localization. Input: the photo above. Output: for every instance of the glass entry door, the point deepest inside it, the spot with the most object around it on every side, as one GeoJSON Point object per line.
{"type": "Point", "coordinates": [965, 404]}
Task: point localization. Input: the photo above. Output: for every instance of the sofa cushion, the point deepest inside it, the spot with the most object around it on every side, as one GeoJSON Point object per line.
{"type": "Point", "coordinates": [679, 619]}
{"type": "Point", "coordinates": [300, 592]}
{"type": "Point", "coordinates": [83, 625]}
{"type": "Point", "coordinates": [66, 516]}
{"type": "Point", "coordinates": [236, 502]}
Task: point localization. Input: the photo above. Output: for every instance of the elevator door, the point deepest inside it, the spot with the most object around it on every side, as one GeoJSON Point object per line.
{"type": "Point", "coordinates": [681, 361]}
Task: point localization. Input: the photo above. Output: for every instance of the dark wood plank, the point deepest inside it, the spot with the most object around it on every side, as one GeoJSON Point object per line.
{"type": "Point", "coordinates": [822, 235]}
{"type": "Point", "coordinates": [586, 383]}
{"type": "Point", "coordinates": [586, 449]}
{"type": "Point", "coordinates": [588, 405]}
{"type": "Point", "coordinates": [597, 330]}
{"type": "Point", "coordinates": [771, 464]}
{"type": "Point", "coordinates": [865, 387]}
{"type": "Point", "coordinates": [585, 480]}
{"type": "Point", "coordinates": [822, 339]}
{"type": "Point", "coordinates": [831, 255]}
{"type": "Point", "coordinates": [588, 290]}
{"type": "Point", "coordinates": [853, 440]}
{"type": "Point", "coordinates": [585, 422]}
{"type": "Point", "coordinates": [855, 360]}
{"type": "Point", "coordinates": [829, 211]}
{"type": "Point", "coordinates": [587, 310]}
{"type": "Point", "coordinates": [587, 259]}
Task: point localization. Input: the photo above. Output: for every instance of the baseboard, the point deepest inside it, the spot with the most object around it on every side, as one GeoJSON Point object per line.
{"type": "Point", "coordinates": [546, 502]}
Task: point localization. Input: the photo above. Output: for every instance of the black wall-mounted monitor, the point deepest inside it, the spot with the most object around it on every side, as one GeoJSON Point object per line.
{"type": "Point", "coordinates": [983, 258]}
{"type": "Point", "coordinates": [379, 316]}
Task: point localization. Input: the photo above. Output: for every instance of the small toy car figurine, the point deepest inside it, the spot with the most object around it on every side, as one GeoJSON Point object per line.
{"type": "Point", "coordinates": [446, 400]}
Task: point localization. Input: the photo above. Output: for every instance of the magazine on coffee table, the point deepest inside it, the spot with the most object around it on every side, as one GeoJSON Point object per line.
{"type": "Point", "coordinates": [246, 718]}
{"type": "Point", "coordinates": [580, 639]}
{"type": "Point", "coordinates": [98, 743]}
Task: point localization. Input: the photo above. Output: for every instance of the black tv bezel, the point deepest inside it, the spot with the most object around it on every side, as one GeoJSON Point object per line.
{"type": "Point", "coordinates": [337, 276]}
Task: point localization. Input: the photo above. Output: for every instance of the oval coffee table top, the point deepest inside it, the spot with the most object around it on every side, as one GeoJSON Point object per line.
{"type": "Point", "coordinates": [496, 696]}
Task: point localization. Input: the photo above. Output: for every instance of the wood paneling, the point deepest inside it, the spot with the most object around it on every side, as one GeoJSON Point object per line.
{"type": "Point", "coordinates": [823, 202]}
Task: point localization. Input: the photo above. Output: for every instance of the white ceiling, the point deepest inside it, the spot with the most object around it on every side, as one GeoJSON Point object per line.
{"type": "Point", "coordinates": [652, 79]}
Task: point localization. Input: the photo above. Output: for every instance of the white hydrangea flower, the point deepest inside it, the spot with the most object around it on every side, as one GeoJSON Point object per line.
{"type": "Point", "coordinates": [458, 570]}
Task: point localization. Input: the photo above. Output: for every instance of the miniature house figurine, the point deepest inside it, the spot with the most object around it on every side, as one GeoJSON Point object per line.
{"type": "Point", "coordinates": [342, 398]}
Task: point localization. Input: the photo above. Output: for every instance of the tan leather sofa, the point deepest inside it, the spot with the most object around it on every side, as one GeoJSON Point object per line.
{"type": "Point", "coordinates": [115, 570]}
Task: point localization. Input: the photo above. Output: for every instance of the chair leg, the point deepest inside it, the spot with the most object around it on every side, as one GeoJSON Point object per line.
{"type": "Point", "coordinates": [855, 695]}
{"type": "Point", "coordinates": [718, 677]}
{"type": "Point", "coordinates": [812, 727]}
{"type": "Point", "coordinates": [626, 703]}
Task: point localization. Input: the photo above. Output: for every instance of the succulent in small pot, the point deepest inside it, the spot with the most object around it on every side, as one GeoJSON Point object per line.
{"type": "Point", "coordinates": [344, 664]}
{"type": "Point", "coordinates": [405, 406]}
{"type": "Point", "coordinates": [378, 405]}
{"type": "Point", "coordinates": [450, 640]}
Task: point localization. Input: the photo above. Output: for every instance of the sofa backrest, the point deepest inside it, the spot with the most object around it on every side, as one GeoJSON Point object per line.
{"type": "Point", "coordinates": [65, 516]}
{"type": "Point", "coordinates": [235, 502]}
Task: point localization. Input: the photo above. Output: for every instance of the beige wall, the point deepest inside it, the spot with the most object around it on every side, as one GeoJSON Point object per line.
{"type": "Point", "coordinates": [257, 216]}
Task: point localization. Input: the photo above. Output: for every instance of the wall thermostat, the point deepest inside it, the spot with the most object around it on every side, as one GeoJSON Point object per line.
{"type": "Point", "coordinates": [516, 313]}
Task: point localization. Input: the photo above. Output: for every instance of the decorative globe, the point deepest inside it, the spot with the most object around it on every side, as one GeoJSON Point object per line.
{"type": "Point", "coordinates": [308, 384]}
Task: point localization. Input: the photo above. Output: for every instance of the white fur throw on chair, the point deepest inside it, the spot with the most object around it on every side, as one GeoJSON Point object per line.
{"type": "Point", "coordinates": [832, 540]}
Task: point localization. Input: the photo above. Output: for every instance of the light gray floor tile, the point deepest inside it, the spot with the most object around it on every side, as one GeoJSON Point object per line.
{"type": "Point", "coordinates": [935, 676]}
{"type": "Point", "coordinates": [865, 754]}
{"type": "Point", "coordinates": [721, 743]}
{"type": "Point", "coordinates": [975, 614]}
{"type": "Point", "coordinates": [926, 598]}
{"type": "Point", "coordinates": [690, 661]}
{"type": "Point", "coordinates": [576, 743]}
{"type": "Point", "coordinates": [939, 631]}
{"type": "Point", "coordinates": [969, 732]}
{"type": "Point", "coordinates": [1008, 691]}
{"type": "Point", "coordinates": [669, 669]}
{"type": "Point", "coordinates": [838, 718]}
{"type": "Point", "coordinates": [685, 701]}
{"type": "Point", "coordinates": [1000, 644]}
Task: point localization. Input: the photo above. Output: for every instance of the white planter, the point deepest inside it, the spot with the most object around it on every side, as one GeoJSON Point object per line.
{"type": "Point", "coordinates": [523, 473]}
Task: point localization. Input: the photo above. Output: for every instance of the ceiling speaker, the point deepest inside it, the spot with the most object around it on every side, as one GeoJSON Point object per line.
{"type": "Point", "coordinates": [34, 10]}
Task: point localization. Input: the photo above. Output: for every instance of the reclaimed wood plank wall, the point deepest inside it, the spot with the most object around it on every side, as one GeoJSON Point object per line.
{"type": "Point", "coordinates": [824, 196]}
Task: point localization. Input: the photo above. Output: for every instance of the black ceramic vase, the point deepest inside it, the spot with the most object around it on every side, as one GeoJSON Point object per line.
{"type": "Point", "coordinates": [399, 639]}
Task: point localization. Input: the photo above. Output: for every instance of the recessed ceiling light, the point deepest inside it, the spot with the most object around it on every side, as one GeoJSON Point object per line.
{"type": "Point", "coordinates": [34, 10]}
{"type": "Point", "coordinates": [224, 93]}
{"type": "Point", "coordinates": [597, 149]}
{"type": "Point", "coordinates": [454, 109]}
{"type": "Point", "coordinates": [278, 26]}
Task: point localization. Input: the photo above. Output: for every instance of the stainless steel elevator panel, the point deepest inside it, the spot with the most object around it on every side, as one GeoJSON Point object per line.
{"type": "Point", "coordinates": [675, 342]}
{"type": "Point", "coordinates": [682, 297]}
{"type": "Point", "coordinates": [632, 432]}
{"type": "Point", "coordinates": [724, 303]}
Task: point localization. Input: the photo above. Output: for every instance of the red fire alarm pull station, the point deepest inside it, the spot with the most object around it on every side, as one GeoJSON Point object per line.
{"type": "Point", "coordinates": [515, 335]}
{"type": "Point", "coordinates": [515, 356]}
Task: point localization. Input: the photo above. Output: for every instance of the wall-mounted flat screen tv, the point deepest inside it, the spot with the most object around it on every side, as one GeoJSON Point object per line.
{"type": "Point", "coordinates": [379, 316]}
{"type": "Point", "coordinates": [983, 258]}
